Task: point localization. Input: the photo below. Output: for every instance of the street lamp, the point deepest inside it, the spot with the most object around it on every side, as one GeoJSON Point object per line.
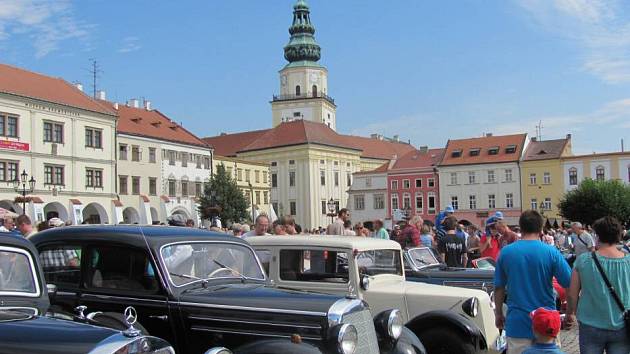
{"type": "Point", "coordinates": [20, 187]}
{"type": "Point", "coordinates": [251, 193]}
{"type": "Point", "coordinates": [332, 207]}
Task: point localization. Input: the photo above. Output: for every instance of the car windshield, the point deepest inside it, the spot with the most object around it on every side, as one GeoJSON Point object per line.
{"type": "Point", "coordinates": [16, 273]}
{"type": "Point", "coordinates": [375, 262]}
{"type": "Point", "coordinates": [191, 262]}
{"type": "Point", "coordinates": [422, 257]}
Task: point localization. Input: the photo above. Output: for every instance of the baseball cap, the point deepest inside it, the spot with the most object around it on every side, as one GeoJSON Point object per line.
{"type": "Point", "coordinates": [545, 322]}
{"type": "Point", "coordinates": [449, 209]}
{"type": "Point", "coordinates": [498, 215]}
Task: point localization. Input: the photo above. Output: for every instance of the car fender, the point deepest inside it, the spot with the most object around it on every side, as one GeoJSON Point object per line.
{"type": "Point", "coordinates": [272, 346]}
{"type": "Point", "coordinates": [407, 343]}
{"type": "Point", "coordinates": [432, 319]}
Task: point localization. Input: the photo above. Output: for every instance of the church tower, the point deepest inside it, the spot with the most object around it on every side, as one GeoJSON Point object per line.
{"type": "Point", "coordinates": [303, 81]}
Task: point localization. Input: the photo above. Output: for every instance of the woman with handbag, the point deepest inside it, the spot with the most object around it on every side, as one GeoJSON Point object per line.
{"type": "Point", "coordinates": [600, 292]}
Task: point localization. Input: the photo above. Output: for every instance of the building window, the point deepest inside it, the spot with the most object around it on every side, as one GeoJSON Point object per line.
{"type": "Point", "coordinates": [53, 175]}
{"type": "Point", "coordinates": [257, 195]}
{"type": "Point", "coordinates": [546, 178]}
{"type": "Point", "coordinates": [291, 179]}
{"type": "Point", "coordinates": [184, 188]}
{"type": "Point", "coordinates": [265, 197]}
{"type": "Point", "coordinates": [122, 152]}
{"type": "Point", "coordinates": [324, 207]}
{"type": "Point", "coordinates": [394, 185]}
{"type": "Point", "coordinates": [274, 180]}
{"type": "Point", "coordinates": [239, 174]}
{"type": "Point", "coordinates": [419, 203]}
{"type": "Point", "coordinates": [547, 204]}
{"type": "Point", "coordinates": [336, 176]}
{"type": "Point", "coordinates": [122, 184]}
{"type": "Point", "coordinates": [198, 189]}
{"type": "Point", "coordinates": [314, 90]}
{"type": "Point", "coordinates": [184, 158]}
{"type": "Point", "coordinates": [379, 201]}
{"type": "Point", "coordinates": [431, 182]}
{"type": "Point", "coordinates": [472, 202]}
{"type": "Point", "coordinates": [293, 208]}
{"type": "Point", "coordinates": [136, 155]}
{"type": "Point", "coordinates": [257, 176]}
{"type": "Point", "coordinates": [491, 178]}
{"type": "Point", "coordinates": [510, 149]}
{"type": "Point", "coordinates": [453, 178]}
{"type": "Point", "coordinates": [472, 177]}
{"type": "Point", "coordinates": [135, 185]}
{"type": "Point", "coordinates": [418, 182]}
{"type": "Point", "coordinates": [152, 186]}
{"type": "Point", "coordinates": [291, 162]}
{"type": "Point", "coordinates": [248, 175]}
{"type": "Point", "coordinates": [8, 125]}
{"type": "Point", "coordinates": [359, 202]}
{"type": "Point", "coordinates": [406, 184]}
{"type": "Point", "coordinates": [93, 178]}
{"type": "Point", "coordinates": [491, 201]}
{"type": "Point", "coordinates": [274, 163]}
{"type": "Point", "coordinates": [53, 132]}
{"type": "Point", "coordinates": [394, 201]}
{"type": "Point", "coordinates": [265, 178]}
{"type": "Point", "coordinates": [8, 171]}
{"type": "Point", "coordinates": [573, 177]}
{"type": "Point", "coordinates": [493, 150]}
{"type": "Point", "coordinates": [406, 201]}
{"type": "Point", "coordinates": [456, 153]}
{"type": "Point", "coordinates": [599, 173]}
{"type": "Point", "coordinates": [152, 155]}
{"type": "Point", "coordinates": [532, 178]}
{"type": "Point", "coordinates": [509, 200]}
{"type": "Point", "coordinates": [298, 92]}
{"type": "Point", "coordinates": [322, 177]}
{"type": "Point", "coordinates": [508, 175]}
{"type": "Point", "coordinates": [432, 203]}
{"type": "Point", "coordinates": [368, 181]}
{"type": "Point", "coordinates": [171, 157]}
{"type": "Point", "coordinates": [172, 188]}
{"type": "Point", "coordinates": [533, 204]}
{"type": "Point", "coordinates": [206, 163]}
{"type": "Point", "coordinates": [455, 202]}
{"type": "Point", "coordinates": [348, 179]}
{"type": "Point", "coordinates": [93, 138]}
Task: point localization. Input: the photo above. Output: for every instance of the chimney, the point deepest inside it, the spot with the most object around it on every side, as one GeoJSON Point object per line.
{"type": "Point", "coordinates": [79, 86]}
{"type": "Point", "coordinates": [147, 105]}
{"type": "Point", "coordinates": [116, 105]}
{"type": "Point", "coordinates": [424, 149]}
{"type": "Point", "coordinates": [534, 139]}
{"type": "Point", "coordinates": [392, 162]}
{"type": "Point", "coordinates": [100, 94]}
{"type": "Point", "coordinates": [396, 138]}
{"type": "Point", "coordinates": [374, 136]}
{"type": "Point", "coordinates": [488, 135]}
{"type": "Point", "coordinates": [569, 136]}
{"type": "Point", "coordinates": [133, 102]}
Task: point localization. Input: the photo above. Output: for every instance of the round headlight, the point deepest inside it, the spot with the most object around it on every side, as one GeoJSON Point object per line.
{"type": "Point", "coordinates": [395, 324]}
{"type": "Point", "coordinates": [471, 307]}
{"type": "Point", "coordinates": [218, 350]}
{"type": "Point", "coordinates": [365, 282]}
{"type": "Point", "coordinates": [347, 338]}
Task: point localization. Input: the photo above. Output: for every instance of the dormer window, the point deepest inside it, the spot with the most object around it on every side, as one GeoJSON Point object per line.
{"type": "Point", "coordinates": [542, 152]}
{"type": "Point", "coordinates": [474, 151]}
{"type": "Point", "coordinates": [456, 153]}
{"type": "Point", "coordinates": [156, 124]}
{"type": "Point", "coordinates": [493, 150]}
{"type": "Point", "coordinates": [510, 149]}
{"type": "Point", "coordinates": [174, 127]}
{"type": "Point", "coordinates": [136, 119]}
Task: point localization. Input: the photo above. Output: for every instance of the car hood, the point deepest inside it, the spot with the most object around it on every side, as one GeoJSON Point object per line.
{"type": "Point", "coordinates": [432, 296]}
{"type": "Point", "coordinates": [24, 332]}
{"type": "Point", "coordinates": [451, 272]}
{"type": "Point", "coordinates": [260, 297]}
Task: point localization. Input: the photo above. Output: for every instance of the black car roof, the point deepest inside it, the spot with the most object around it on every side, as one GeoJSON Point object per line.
{"type": "Point", "coordinates": [131, 234]}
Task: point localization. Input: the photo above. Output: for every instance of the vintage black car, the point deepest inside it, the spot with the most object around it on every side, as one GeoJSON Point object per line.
{"type": "Point", "coordinates": [198, 289]}
{"type": "Point", "coordinates": [27, 327]}
{"type": "Point", "coordinates": [422, 265]}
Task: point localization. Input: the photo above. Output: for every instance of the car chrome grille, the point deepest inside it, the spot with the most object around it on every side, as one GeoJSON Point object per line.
{"type": "Point", "coordinates": [363, 322]}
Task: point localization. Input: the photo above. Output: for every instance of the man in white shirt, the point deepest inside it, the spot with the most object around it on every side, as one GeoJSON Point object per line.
{"type": "Point", "coordinates": [260, 228]}
{"type": "Point", "coordinates": [337, 227]}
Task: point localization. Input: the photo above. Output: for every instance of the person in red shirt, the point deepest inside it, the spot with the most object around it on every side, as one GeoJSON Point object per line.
{"type": "Point", "coordinates": [411, 234]}
{"type": "Point", "coordinates": [489, 244]}
{"type": "Point", "coordinates": [507, 236]}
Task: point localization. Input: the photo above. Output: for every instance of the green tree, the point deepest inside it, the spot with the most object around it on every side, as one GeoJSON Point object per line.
{"type": "Point", "coordinates": [595, 199]}
{"type": "Point", "coordinates": [222, 192]}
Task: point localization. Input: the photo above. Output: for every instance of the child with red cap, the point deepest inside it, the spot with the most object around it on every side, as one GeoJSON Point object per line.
{"type": "Point", "coordinates": [546, 326]}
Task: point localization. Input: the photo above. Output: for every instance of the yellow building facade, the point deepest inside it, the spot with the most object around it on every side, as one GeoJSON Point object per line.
{"type": "Point", "coordinates": [542, 181]}
{"type": "Point", "coordinates": [251, 177]}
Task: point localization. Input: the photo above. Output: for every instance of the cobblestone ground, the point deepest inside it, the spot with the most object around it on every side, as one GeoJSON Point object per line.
{"type": "Point", "coordinates": [569, 340]}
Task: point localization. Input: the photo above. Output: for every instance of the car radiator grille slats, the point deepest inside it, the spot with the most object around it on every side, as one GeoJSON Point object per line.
{"type": "Point", "coordinates": [363, 322]}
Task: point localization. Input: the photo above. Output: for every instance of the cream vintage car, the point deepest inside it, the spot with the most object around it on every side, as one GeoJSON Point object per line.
{"type": "Point", "coordinates": [446, 319]}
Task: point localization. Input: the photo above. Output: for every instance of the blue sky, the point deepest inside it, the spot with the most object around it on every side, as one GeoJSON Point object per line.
{"type": "Point", "coordinates": [425, 70]}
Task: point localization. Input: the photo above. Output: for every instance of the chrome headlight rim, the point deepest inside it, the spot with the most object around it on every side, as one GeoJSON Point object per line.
{"type": "Point", "coordinates": [218, 350]}
{"type": "Point", "coordinates": [395, 324]}
{"type": "Point", "coordinates": [347, 338]}
{"type": "Point", "coordinates": [471, 307]}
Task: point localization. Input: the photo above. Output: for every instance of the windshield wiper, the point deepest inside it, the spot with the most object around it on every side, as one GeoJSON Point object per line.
{"type": "Point", "coordinates": [185, 276]}
{"type": "Point", "coordinates": [243, 278]}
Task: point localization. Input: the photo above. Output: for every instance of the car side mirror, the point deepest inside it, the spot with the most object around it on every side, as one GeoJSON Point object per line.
{"type": "Point", "coordinates": [51, 289]}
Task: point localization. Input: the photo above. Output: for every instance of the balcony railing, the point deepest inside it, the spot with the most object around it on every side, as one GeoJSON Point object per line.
{"type": "Point", "coordinates": [302, 97]}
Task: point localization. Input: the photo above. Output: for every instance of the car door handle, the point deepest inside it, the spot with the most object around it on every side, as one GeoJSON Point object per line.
{"type": "Point", "coordinates": [160, 317]}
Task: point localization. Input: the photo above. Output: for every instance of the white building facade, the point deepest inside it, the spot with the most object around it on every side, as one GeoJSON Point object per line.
{"type": "Point", "coordinates": [367, 197]}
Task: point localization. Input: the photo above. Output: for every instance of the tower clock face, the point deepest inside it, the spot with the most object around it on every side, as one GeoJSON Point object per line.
{"type": "Point", "coordinates": [314, 77]}
{"type": "Point", "coordinates": [283, 80]}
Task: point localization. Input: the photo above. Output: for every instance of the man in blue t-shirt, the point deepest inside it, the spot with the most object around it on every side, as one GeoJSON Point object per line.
{"type": "Point", "coordinates": [526, 269]}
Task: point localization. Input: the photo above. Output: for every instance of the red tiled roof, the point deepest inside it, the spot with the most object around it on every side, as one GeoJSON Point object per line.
{"type": "Point", "coordinates": [417, 160]}
{"type": "Point", "coordinates": [229, 144]}
{"type": "Point", "coordinates": [484, 144]}
{"type": "Point", "coordinates": [152, 124]}
{"type": "Point", "coordinates": [25, 83]}
{"type": "Point", "coordinates": [376, 148]}
{"type": "Point", "coordinates": [546, 149]}
{"type": "Point", "coordinates": [380, 169]}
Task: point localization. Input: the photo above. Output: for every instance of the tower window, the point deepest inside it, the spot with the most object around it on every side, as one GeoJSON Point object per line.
{"type": "Point", "coordinates": [314, 90]}
{"type": "Point", "coordinates": [297, 90]}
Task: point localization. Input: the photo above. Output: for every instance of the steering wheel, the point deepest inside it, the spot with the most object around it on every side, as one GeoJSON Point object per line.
{"type": "Point", "coordinates": [214, 272]}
